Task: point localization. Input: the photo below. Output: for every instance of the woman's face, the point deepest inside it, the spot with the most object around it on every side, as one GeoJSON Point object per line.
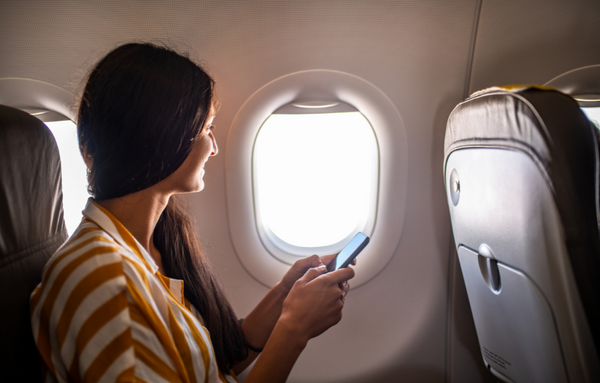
{"type": "Point", "coordinates": [188, 178]}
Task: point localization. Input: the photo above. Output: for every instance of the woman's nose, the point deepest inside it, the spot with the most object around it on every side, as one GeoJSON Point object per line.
{"type": "Point", "coordinates": [215, 147]}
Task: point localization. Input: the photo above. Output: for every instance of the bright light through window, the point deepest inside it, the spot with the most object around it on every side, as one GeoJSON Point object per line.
{"type": "Point", "coordinates": [74, 181]}
{"type": "Point", "coordinates": [593, 114]}
{"type": "Point", "coordinates": [313, 176]}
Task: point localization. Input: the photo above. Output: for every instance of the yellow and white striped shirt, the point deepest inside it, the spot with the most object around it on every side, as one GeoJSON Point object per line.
{"type": "Point", "coordinates": [103, 313]}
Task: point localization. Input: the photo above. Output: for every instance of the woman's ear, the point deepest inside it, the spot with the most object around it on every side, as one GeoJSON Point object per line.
{"type": "Point", "coordinates": [86, 158]}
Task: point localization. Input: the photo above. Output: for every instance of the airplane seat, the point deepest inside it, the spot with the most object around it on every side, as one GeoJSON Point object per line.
{"type": "Point", "coordinates": [32, 228]}
{"type": "Point", "coordinates": [521, 170]}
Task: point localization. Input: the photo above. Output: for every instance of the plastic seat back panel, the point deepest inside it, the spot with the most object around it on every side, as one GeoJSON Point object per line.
{"type": "Point", "coordinates": [532, 352]}
{"type": "Point", "coordinates": [507, 205]}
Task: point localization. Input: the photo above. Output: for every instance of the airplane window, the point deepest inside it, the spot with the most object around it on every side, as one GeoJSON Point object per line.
{"type": "Point", "coordinates": [315, 177]}
{"type": "Point", "coordinates": [311, 158]}
{"type": "Point", "coordinates": [74, 179]}
{"type": "Point", "coordinates": [593, 115]}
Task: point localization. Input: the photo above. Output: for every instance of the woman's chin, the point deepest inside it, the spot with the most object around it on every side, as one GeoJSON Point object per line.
{"type": "Point", "coordinates": [195, 187]}
{"type": "Point", "coordinates": [198, 187]}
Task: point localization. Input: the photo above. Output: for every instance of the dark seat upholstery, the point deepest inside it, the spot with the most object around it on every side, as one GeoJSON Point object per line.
{"type": "Point", "coordinates": [31, 229]}
{"type": "Point", "coordinates": [521, 171]}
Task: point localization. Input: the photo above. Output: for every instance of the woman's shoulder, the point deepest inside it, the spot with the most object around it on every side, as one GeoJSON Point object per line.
{"type": "Point", "coordinates": [88, 241]}
{"type": "Point", "coordinates": [91, 258]}
{"type": "Point", "coordinates": [89, 254]}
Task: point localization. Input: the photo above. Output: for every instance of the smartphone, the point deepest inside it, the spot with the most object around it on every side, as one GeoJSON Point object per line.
{"type": "Point", "coordinates": [349, 252]}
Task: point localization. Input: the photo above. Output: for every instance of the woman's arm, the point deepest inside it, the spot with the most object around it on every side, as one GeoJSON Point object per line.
{"type": "Point", "coordinates": [313, 305]}
{"type": "Point", "coordinates": [259, 324]}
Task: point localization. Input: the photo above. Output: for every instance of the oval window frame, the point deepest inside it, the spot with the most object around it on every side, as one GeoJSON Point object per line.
{"type": "Point", "coordinates": [45, 101]}
{"type": "Point", "coordinates": [393, 167]}
{"type": "Point", "coordinates": [289, 253]}
{"type": "Point", "coordinates": [581, 83]}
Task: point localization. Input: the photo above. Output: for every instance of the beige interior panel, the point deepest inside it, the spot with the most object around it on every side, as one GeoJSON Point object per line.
{"type": "Point", "coordinates": [405, 324]}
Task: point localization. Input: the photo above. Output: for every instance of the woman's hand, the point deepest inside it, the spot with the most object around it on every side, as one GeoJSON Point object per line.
{"type": "Point", "coordinates": [297, 270]}
{"type": "Point", "coordinates": [315, 302]}
{"type": "Point", "coordinates": [301, 266]}
{"type": "Point", "coordinates": [259, 324]}
{"type": "Point", "coordinates": [287, 320]}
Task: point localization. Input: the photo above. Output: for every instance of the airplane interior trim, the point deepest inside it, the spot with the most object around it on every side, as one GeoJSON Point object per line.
{"type": "Point", "coordinates": [46, 101]}
{"type": "Point", "coordinates": [431, 301]}
{"type": "Point", "coordinates": [384, 225]}
{"type": "Point", "coordinates": [581, 83]}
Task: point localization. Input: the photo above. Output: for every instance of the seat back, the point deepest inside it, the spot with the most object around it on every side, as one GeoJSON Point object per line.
{"type": "Point", "coordinates": [31, 229]}
{"type": "Point", "coordinates": [521, 174]}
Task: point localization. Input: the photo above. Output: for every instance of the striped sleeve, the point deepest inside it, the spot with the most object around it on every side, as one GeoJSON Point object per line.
{"type": "Point", "coordinates": [80, 314]}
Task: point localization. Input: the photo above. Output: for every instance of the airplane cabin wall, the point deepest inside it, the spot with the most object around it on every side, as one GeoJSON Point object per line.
{"type": "Point", "coordinates": [412, 322]}
{"type": "Point", "coordinates": [531, 42]}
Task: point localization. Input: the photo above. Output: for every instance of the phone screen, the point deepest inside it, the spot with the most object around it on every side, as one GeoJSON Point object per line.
{"type": "Point", "coordinates": [349, 252]}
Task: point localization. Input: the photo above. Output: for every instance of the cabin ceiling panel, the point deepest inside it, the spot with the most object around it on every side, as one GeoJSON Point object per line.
{"type": "Point", "coordinates": [531, 42]}
{"type": "Point", "coordinates": [391, 43]}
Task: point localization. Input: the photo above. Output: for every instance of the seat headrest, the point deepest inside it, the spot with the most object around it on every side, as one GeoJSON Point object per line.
{"type": "Point", "coordinates": [30, 183]}
{"type": "Point", "coordinates": [526, 117]}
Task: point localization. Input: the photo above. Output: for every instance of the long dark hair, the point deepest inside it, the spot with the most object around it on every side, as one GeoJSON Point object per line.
{"type": "Point", "coordinates": [141, 111]}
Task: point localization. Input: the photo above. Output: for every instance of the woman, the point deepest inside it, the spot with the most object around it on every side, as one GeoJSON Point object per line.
{"type": "Point", "coordinates": [130, 296]}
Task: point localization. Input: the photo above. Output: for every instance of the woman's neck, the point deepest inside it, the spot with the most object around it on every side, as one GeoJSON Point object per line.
{"type": "Point", "coordinates": [139, 212]}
